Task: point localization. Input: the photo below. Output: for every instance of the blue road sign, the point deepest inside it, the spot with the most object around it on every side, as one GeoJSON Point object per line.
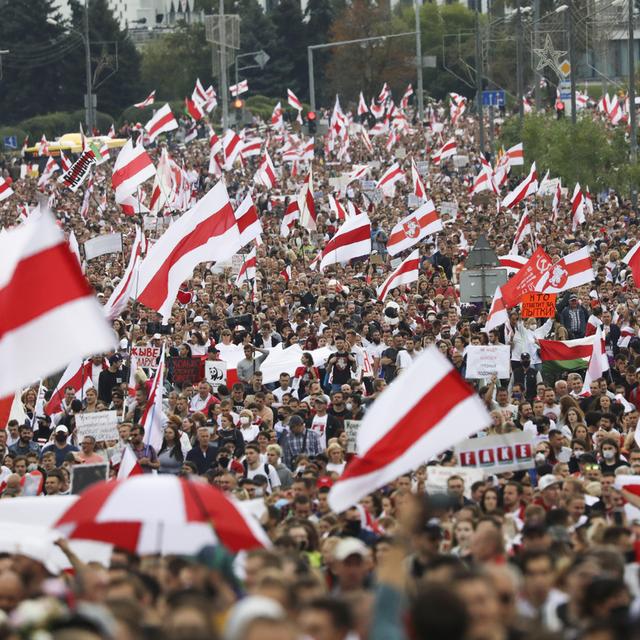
{"type": "Point", "coordinates": [10, 142]}
{"type": "Point", "coordinates": [493, 98]}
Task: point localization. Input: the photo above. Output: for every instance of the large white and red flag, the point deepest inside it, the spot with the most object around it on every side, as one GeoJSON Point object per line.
{"type": "Point", "coordinates": [632, 259]}
{"type": "Point", "coordinates": [149, 100]}
{"type": "Point", "coordinates": [405, 273]}
{"type": "Point", "coordinates": [208, 232]}
{"type": "Point", "coordinates": [76, 376]}
{"type": "Point", "coordinates": [528, 187]}
{"type": "Point", "coordinates": [248, 222]}
{"type": "Point", "coordinates": [352, 240]}
{"type": "Point", "coordinates": [336, 207]}
{"type": "Point", "coordinates": [153, 419]}
{"type": "Point", "coordinates": [126, 288]}
{"type": "Point", "coordinates": [291, 214]}
{"type": "Point", "coordinates": [132, 167]}
{"type": "Point", "coordinates": [484, 181]}
{"type": "Point", "coordinates": [577, 208]}
{"type": "Point", "coordinates": [129, 465]}
{"type": "Point", "coordinates": [5, 189]}
{"type": "Point", "coordinates": [387, 182]}
{"type": "Point", "coordinates": [447, 150]}
{"type": "Point", "coordinates": [426, 410]}
{"type": "Point", "coordinates": [193, 109]}
{"type": "Point", "coordinates": [418, 186]}
{"type": "Point", "coordinates": [277, 117]}
{"type": "Point", "coordinates": [162, 184]}
{"type": "Point", "coordinates": [247, 268]}
{"type": "Point", "coordinates": [524, 228]}
{"type": "Point", "coordinates": [231, 147]}
{"type": "Point", "coordinates": [293, 101]}
{"type": "Point", "coordinates": [239, 88]}
{"type": "Point", "coordinates": [362, 105]}
{"type": "Point", "coordinates": [512, 262]}
{"type": "Point", "coordinates": [413, 228]}
{"type": "Point", "coordinates": [50, 168]}
{"type": "Point", "coordinates": [266, 173]}
{"type": "Point", "coordinates": [555, 204]}
{"type": "Point", "coordinates": [515, 155]}
{"type": "Point", "coordinates": [498, 313]}
{"type": "Point", "coordinates": [48, 310]}
{"type": "Point", "coordinates": [162, 121]}
{"type": "Point", "coordinates": [251, 147]}
{"type": "Point", "coordinates": [307, 204]}
{"type": "Point", "coordinates": [569, 272]}
{"type": "Point", "coordinates": [597, 364]}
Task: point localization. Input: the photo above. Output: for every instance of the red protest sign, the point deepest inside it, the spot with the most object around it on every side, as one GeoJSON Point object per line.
{"type": "Point", "coordinates": [525, 280]}
{"type": "Point", "coordinates": [539, 305]}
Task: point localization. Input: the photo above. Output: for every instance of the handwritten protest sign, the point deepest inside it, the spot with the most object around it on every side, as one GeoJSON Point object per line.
{"type": "Point", "coordinates": [102, 425]}
{"type": "Point", "coordinates": [437, 478]}
{"type": "Point", "coordinates": [351, 429]}
{"type": "Point", "coordinates": [497, 454]}
{"type": "Point", "coordinates": [539, 305]}
{"type": "Point", "coordinates": [185, 370]}
{"type": "Point", "coordinates": [146, 356]}
{"type": "Point", "coordinates": [485, 361]}
{"type": "Point", "coordinates": [215, 372]}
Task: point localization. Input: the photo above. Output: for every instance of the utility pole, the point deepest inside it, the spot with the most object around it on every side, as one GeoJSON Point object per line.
{"type": "Point", "coordinates": [536, 44]}
{"type": "Point", "coordinates": [312, 82]}
{"type": "Point", "coordinates": [417, 4]}
{"type": "Point", "coordinates": [223, 66]}
{"type": "Point", "coordinates": [90, 120]}
{"type": "Point", "coordinates": [479, 80]}
{"type": "Point", "coordinates": [572, 62]}
{"type": "Point", "coordinates": [519, 82]}
{"type": "Point", "coordinates": [632, 98]}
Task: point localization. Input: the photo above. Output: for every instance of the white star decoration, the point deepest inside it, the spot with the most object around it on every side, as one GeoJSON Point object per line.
{"type": "Point", "coordinates": [549, 57]}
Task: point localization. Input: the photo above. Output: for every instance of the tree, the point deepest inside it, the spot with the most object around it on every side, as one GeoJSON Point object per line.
{"type": "Point", "coordinates": [32, 75]}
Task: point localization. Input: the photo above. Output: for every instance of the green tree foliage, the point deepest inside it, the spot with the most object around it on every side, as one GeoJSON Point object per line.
{"type": "Point", "coordinates": [589, 153]}
{"type": "Point", "coordinates": [320, 15]}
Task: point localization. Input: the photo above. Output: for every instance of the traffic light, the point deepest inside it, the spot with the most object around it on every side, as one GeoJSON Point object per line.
{"type": "Point", "coordinates": [559, 109]}
{"type": "Point", "coordinates": [311, 121]}
{"type": "Point", "coordinates": [238, 105]}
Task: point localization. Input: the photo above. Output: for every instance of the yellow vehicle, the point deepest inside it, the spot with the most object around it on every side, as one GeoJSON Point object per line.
{"type": "Point", "coordinates": [72, 143]}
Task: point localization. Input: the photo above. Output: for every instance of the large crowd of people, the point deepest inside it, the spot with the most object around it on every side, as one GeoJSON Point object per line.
{"type": "Point", "coordinates": [547, 552]}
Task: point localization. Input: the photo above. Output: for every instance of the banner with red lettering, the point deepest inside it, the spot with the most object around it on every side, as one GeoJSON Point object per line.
{"type": "Point", "coordinates": [146, 356]}
{"type": "Point", "coordinates": [497, 454]}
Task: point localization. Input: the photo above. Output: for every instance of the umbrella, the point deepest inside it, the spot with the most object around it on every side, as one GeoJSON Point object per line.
{"type": "Point", "coordinates": [160, 514]}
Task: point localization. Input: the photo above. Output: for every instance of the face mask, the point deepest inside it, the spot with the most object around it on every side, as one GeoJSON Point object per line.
{"type": "Point", "coordinates": [349, 406]}
{"type": "Point", "coordinates": [540, 458]}
{"type": "Point", "coordinates": [258, 492]}
{"type": "Point", "coordinates": [244, 420]}
{"type": "Point", "coordinates": [608, 454]}
{"type": "Point", "coordinates": [32, 467]}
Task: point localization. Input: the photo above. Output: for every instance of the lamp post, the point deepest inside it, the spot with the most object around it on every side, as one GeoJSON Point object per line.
{"type": "Point", "coordinates": [89, 113]}
{"type": "Point", "coordinates": [417, 5]}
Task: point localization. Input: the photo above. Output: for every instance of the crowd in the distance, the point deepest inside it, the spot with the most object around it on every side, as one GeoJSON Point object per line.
{"type": "Point", "coordinates": [546, 552]}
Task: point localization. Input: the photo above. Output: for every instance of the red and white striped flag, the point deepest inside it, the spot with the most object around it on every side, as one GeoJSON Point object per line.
{"type": "Point", "coordinates": [528, 187]}
{"type": "Point", "coordinates": [366, 140]}
{"type": "Point", "coordinates": [385, 92]}
{"type": "Point", "coordinates": [240, 88]}
{"type": "Point", "coordinates": [266, 173]}
{"type": "Point", "coordinates": [498, 313]}
{"type": "Point", "coordinates": [193, 109]}
{"type": "Point", "coordinates": [251, 147]}
{"type": "Point", "coordinates": [307, 204]}
{"type": "Point", "coordinates": [569, 272]}
{"type": "Point", "coordinates": [512, 263]}
{"type": "Point", "coordinates": [231, 147]}
{"type": "Point", "coordinates": [405, 273]}
{"type": "Point", "coordinates": [65, 163]}
{"type": "Point", "coordinates": [418, 187]}
{"type": "Point", "coordinates": [162, 121]}
{"type": "Point", "coordinates": [387, 182]}
{"type": "Point", "coordinates": [291, 214]}
{"type": "Point", "coordinates": [207, 232]}
{"type": "Point", "coordinates": [524, 228]}
{"type": "Point", "coordinates": [293, 101]}
{"type": "Point", "coordinates": [248, 222]}
{"type": "Point", "coordinates": [404, 102]}
{"type": "Point", "coordinates": [153, 418]}
{"type": "Point", "coordinates": [577, 208]}
{"type": "Point", "coordinates": [632, 259]}
{"type": "Point", "coordinates": [59, 319]}
{"type": "Point", "coordinates": [5, 189]}
{"type": "Point", "coordinates": [126, 288]}
{"type": "Point", "coordinates": [129, 465]}
{"type": "Point", "coordinates": [132, 167]}
{"type": "Point", "coordinates": [162, 184]}
{"type": "Point", "coordinates": [77, 376]}
{"type": "Point", "coordinates": [43, 146]}
{"type": "Point", "coordinates": [484, 180]}
{"type": "Point", "coordinates": [277, 117]}
{"type": "Point", "coordinates": [362, 105]}
{"type": "Point", "coordinates": [286, 273]}
{"type": "Point", "coordinates": [352, 240]}
{"type": "Point", "coordinates": [425, 411]}
{"type": "Point", "coordinates": [596, 361]}
{"type": "Point", "coordinates": [132, 206]}
{"type": "Point", "coordinates": [515, 155]}
{"type": "Point", "coordinates": [336, 207]}
{"type": "Point", "coordinates": [555, 204]}
{"type": "Point", "coordinates": [588, 201]}
{"type": "Point", "coordinates": [447, 150]}
{"type": "Point", "coordinates": [247, 268]}
{"type": "Point", "coordinates": [50, 168]}
{"type": "Point", "coordinates": [149, 100]}
{"type": "Point", "coordinates": [412, 228]}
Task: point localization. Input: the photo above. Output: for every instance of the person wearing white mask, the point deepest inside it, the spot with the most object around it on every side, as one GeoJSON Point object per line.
{"type": "Point", "coordinates": [248, 430]}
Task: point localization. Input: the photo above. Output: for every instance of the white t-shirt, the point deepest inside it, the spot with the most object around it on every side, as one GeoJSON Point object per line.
{"type": "Point", "coordinates": [273, 477]}
{"type": "Point", "coordinates": [319, 425]}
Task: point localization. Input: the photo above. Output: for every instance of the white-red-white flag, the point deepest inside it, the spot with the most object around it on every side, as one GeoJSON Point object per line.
{"type": "Point", "coordinates": [291, 214]}
{"type": "Point", "coordinates": [498, 313]}
{"type": "Point", "coordinates": [153, 419]}
{"type": "Point", "coordinates": [208, 232]}
{"type": "Point", "coordinates": [447, 150]}
{"type": "Point", "coordinates": [307, 204]}
{"type": "Point", "coordinates": [528, 187]}
{"type": "Point", "coordinates": [555, 204]}
{"type": "Point", "coordinates": [512, 263]}
{"type": "Point", "coordinates": [132, 167]}
{"type": "Point", "coordinates": [632, 259]}
{"type": "Point", "coordinates": [362, 105]}
{"type": "Point", "coordinates": [251, 147]}
{"type": "Point", "coordinates": [484, 181]}
{"type": "Point", "coordinates": [524, 228]}
{"type": "Point", "coordinates": [598, 363]}
{"type": "Point", "coordinates": [248, 222]}
{"type": "Point", "coordinates": [515, 155]}
{"type": "Point", "coordinates": [193, 109]}
{"type": "Point", "coordinates": [266, 173]}
{"type": "Point", "coordinates": [50, 168]}
{"type": "Point", "coordinates": [277, 117]}
{"type": "Point", "coordinates": [577, 208]}
{"type": "Point", "coordinates": [418, 186]}
{"type": "Point", "coordinates": [352, 240]}
{"type": "Point", "coordinates": [405, 273]}
{"type": "Point", "coordinates": [247, 268]}
{"type": "Point", "coordinates": [149, 100]}
{"type": "Point", "coordinates": [231, 147]}
{"type": "Point", "coordinates": [426, 410]}
{"type": "Point", "coordinates": [387, 182]}
{"type": "Point", "coordinates": [569, 272]}
{"type": "Point", "coordinates": [60, 318]}
{"type": "Point", "coordinates": [414, 227]}
{"type": "Point", "coordinates": [240, 88]}
{"type": "Point", "coordinates": [162, 121]}
{"type": "Point", "coordinates": [129, 465]}
{"type": "Point", "coordinates": [336, 207]}
{"type": "Point", "coordinates": [5, 189]}
{"type": "Point", "coordinates": [76, 376]}
{"type": "Point", "coordinates": [293, 101]}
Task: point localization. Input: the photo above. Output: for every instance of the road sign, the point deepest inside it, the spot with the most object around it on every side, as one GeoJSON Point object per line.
{"type": "Point", "coordinates": [565, 68]}
{"type": "Point", "coordinates": [261, 58]}
{"type": "Point", "coordinates": [493, 98]}
{"type": "Point", "coordinates": [564, 88]}
{"type": "Point", "coordinates": [428, 62]}
{"type": "Point", "coordinates": [10, 142]}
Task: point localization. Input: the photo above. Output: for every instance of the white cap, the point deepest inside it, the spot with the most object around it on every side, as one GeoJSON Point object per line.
{"type": "Point", "coordinates": [350, 547]}
{"type": "Point", "coordinates": [547, 481]}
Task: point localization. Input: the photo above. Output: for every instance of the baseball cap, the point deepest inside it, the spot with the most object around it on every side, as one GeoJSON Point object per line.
{"type": "Point", "coordinates": [325, 481]}
{"type": "Point", "coordinates": [157, 336]}
{"type": "Point", "coordinates": [350, 547]}
{"type": "Point", "coordinates": [61, 429]}
{"type": "Point", "coordinates": [547, 481]}
{"type": "Point", "coordinates": [198, 319]}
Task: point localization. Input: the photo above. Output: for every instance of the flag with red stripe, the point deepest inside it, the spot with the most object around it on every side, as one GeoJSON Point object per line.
{"type": "Point", "coordinates": [247, 268]}
{"type": "Point", "coordinates": [76, 376]}
{"type": "Point", "coordinates": [5, 189]}
{"type": "Point", "coordinates": [248, 222]}
{"type": "Point", "coordinates": [149, 100]}
{"type": "Point", "coordinates": [293, 101]}
{"type": "Point", "coordinates": [132, 167]}
{"type": "Point", "coordinates": [352, 240]}
{"type": "Point", "coordinates": [153, 419]}
{"type": "Point", "coordinates": [414, 228]}
{"type": "Point", "coordinates": [266, 173]}
{"type": "Point", "coordinates": [569, 272]}
{"type": "Point", "coordinates": [528, 187]}
{"type": "Point", "coordinates": [405, 273]}
{"type": "Point", "coordinates": [162, 121]}
{"type": "Point", "coordinates": [307, 204]}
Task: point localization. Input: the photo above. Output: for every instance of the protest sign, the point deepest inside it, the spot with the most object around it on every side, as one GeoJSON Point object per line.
{"type": "Point", "coordinates": [185, 371]}
{"type": "Point", "coordinates": [374, 196]}
{"type": "Point", "coordinates": [351, 429]}
{"type": "Point", "coordinates": [102, 425]}
{"type": "Point", "coordinates": [84, 475]}
{"type": "Point", "coordinates": [450, 208]}
{"type": "Point", "coordinates": [215, 373]}
{"type": "Point", "coordinates": [422, 167]}
{"type": "Point", "coordinates": [539, 305]}
{"type": "Point", "coordinates": [367, 185]}
{"type": "Point", "coordinates": [236, 263]}
{"type": "Point", "coordinates": [413, 201]}
{"type": "Point", "coordinates": [401, 153]}
{"type": "Point", "coordinates": [485, 361]}
{"type": "Point", "coordinates": [146, 356]}
{"type": "Point", "coordinates": [497, 454]}
{"type": "Point", "coordinates": [460, 161]}
{"type": "Point", "coordinates": [98, 246]}
{"type": "Point", "coordinates": [437, 478]}
{"type": "Point", "coordinates": [526, 279]}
